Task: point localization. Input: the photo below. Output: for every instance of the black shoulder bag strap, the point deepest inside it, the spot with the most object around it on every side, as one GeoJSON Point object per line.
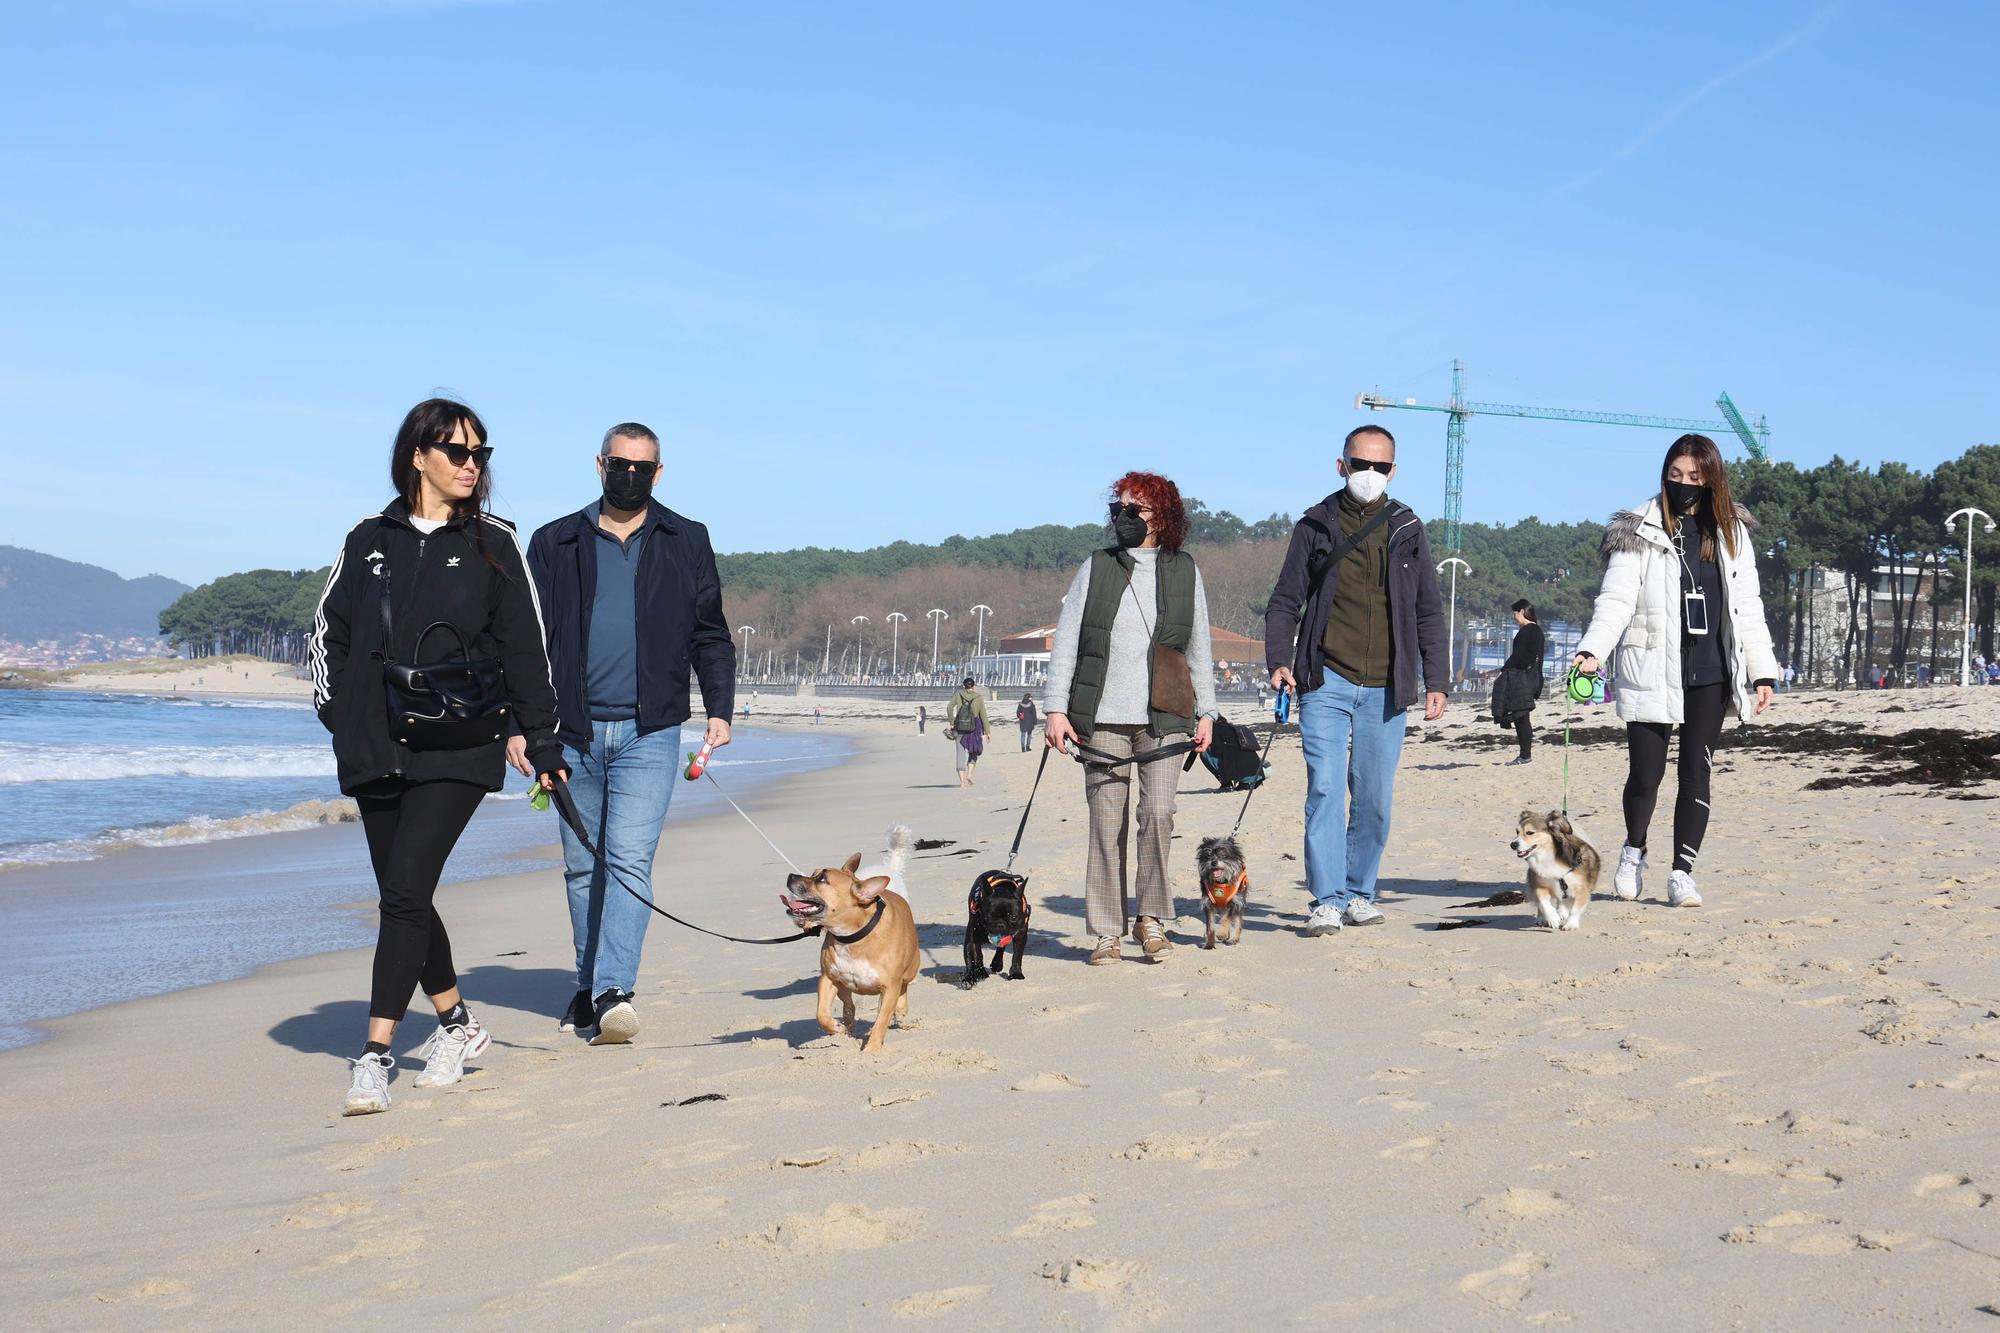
{"type": "Point", "coordinates": [1341, 549]}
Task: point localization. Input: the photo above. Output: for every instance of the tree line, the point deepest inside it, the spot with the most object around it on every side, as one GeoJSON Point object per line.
{"type": "Point", "coordinates": [1823, 534]}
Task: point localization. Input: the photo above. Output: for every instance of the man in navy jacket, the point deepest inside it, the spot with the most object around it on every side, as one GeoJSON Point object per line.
{"type": "Point", "coordinates": [633, 606]}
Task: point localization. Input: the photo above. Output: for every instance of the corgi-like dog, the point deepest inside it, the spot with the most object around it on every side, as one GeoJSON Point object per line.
{"type": "Point", "coordinates": [1562, 867]}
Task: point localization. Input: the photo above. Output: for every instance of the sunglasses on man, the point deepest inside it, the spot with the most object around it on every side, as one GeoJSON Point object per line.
{"type": "Point", "coordinates": [461, 454]}
{"type": "Point", "coordinates": [644, 467]}
{"type": "Point", "coordinates": [1370, 465]}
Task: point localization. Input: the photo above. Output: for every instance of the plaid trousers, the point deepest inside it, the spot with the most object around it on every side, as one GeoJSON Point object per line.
{"type": "Point", "coordinates": [1108, 791]}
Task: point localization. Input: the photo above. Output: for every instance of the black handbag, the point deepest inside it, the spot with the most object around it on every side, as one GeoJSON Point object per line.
{"type": "Point", "coordinates": [450, 705]}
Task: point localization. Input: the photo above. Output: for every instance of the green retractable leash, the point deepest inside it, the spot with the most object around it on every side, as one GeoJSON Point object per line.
{"type": "Point", "coordinates": [1579, 687]}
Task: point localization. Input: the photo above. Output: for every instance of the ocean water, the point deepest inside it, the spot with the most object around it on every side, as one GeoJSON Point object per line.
{"type": "Point", "coordinates": [152, 844]}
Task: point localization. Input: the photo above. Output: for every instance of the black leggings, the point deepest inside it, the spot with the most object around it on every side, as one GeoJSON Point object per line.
{"type": "Point", "coordinates": [1705, 707]}
{"type": "Point", "coordinates": [1524, 732]}
{"type": "Point", "coordinates": [411, 829]}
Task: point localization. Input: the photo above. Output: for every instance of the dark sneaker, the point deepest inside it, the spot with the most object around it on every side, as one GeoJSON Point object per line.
{"type": "Point", "coordinates": [617, 1021]}
{"type": "Point", "coordinates": [580, 1014]}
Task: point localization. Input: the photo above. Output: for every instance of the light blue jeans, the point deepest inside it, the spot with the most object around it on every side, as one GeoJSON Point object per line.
{"type": "Point", "coordinates": [1353, 741]}
{"type": "Point", "coordinates": [622, 788]}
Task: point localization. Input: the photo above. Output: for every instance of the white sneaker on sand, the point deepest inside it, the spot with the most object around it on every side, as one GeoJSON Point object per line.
{"type": "Point", "coordinates": [447, 1051]}
{"type": "Point", "coordinates": [1325, 919]}
{"type": "Point", "coordinates": [368, 1092]}
{"type": "Point", "coordinates": [1631, 878]}
{"type": "Point", "coordinates": [1361, 912]}
{"type": "Point", "coordinates": [1681, 891]}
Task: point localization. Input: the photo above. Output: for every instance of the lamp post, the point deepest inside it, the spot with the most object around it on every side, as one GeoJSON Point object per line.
{"type": "Point", "coordinates": [1451, 625]}
{"type": "Point", "coordinates": [1965, 643]}
{"type": "Point", "coordinates": [857, 622]}
{"type": "Point", "coordinates": [938, 617]}
{"type": "Point", "coordinates": [982, 611]}
{"type": "Point", "coordinates": [895, 619]}
{"type": "Point", "coordinates": [746, 631]}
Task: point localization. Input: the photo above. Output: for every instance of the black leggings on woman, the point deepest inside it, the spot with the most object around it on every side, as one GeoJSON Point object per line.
{"type": "Point", "coordinates": [1524, 732]}
{"type": "Point", "coordinates": [412, 827]}
{"type": "Point", "coordinates": [1706, 706]}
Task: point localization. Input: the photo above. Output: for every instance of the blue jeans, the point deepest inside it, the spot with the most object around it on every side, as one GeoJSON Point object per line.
{"type": "Point", "coordinates": [622, 788]}
{"type": "Point", "coordinates": [1353, 740]}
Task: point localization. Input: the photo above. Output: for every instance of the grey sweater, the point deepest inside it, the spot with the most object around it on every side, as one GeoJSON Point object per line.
{"type": "Point", "coordinates": [1127, 676]}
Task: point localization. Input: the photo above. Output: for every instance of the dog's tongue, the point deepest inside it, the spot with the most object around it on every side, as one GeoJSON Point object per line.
{"type": "Point", "coordinates": [795, 904]}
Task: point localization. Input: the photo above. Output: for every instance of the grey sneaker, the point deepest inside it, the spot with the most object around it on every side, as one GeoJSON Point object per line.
{"type": "Point", "coordinates": [1361, 912]}
{"type": "Point", "coordinates": [1681, 891]}
{"type": "Point", "coordinates": [1630, 880]}
{"type": "Point", "coordinates": [1325, 919]}
{"type": "Point", "coordinates": [369, 1090]}
{"type": "Point", "coordinates": [447, 1051]}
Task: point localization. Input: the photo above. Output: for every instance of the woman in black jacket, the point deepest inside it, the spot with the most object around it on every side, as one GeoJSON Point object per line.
{"type": "Point", "coordinates": [434, 555]}
{"type": "Point", "coordinates": [1520, 681]}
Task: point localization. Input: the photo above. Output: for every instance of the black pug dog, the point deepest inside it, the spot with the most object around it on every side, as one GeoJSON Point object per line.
{"type": "Point", "coordinates": [996, 913]}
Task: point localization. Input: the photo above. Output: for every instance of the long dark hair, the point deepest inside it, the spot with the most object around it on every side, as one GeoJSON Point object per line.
{"type": "Point", "coordinates": [1715, 476]}
{"type": "Point", "coordinates": [430, 422]}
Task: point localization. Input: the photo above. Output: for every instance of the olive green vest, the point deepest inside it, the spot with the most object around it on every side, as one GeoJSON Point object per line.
{"type": "Point", "coordinates": [1173, 625]}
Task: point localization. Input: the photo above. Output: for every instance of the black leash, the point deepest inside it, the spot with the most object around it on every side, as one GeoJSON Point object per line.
{"type": "Point", "coordinates": [1091, 756]}
{"type": "Point", "coordinates": [1022, 827]}
{"type": "Point", "coordinates": [1264, 762]}
{"type": "Point", "coordinates": [566, 807]}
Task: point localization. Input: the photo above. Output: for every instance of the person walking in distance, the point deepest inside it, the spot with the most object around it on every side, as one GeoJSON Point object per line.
{"type": "Point", "coordinates": [1024, 715]}
{"type": "Point", "coordinates": [1520, 682]}
{"type": "Point", "coordinates": [1681, 606]}
{"type": "Point", "coordinates": [1130, 675]}
{"type": "Point", "coordinates": [634, 604]}
{"type": "Point", "coordinates": [432, 574]}
{"type": "Point", "coordinates": [1356, 627]}
{"type": "Point", "coordinates": [965, 719]}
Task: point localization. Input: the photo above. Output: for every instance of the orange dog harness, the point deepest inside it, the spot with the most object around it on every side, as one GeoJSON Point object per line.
{"type": "Point", "coordinates": [1221, 895]}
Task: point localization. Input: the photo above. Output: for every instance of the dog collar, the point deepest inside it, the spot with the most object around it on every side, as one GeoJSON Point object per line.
{"type": "Point", "coordinates": [859, 935]}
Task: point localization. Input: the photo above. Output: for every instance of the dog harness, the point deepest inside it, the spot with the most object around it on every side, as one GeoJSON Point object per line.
{"type": "Point", "coordinates": [976, 899]}
{"type": "Point", "coordinates": [1220, 895]}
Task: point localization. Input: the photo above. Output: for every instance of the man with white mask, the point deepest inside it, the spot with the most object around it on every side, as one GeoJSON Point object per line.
{"type": "Point", "coordinates": [1355, 627]}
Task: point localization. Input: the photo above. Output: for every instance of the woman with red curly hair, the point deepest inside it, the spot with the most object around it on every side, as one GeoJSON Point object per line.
{"type": "Point", "coordinates": [1129, 674]}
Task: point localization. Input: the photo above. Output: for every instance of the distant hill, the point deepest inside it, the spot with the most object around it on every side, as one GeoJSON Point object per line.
{"type": "Point", "coordinates": [44, 597]}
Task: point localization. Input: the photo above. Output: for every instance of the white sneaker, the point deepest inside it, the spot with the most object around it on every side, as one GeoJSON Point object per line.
{"type": "Point", "coordinates": [1630, 880]}
{"type": "Point", "coordinates": [1680, 890]}
{"type": "Point", "coordinates": [369, 1090]}
{"type": "Point", "coordinates": [1361, 912]}
{"type": "Point", "coordinates": [447, 1051]}
{"type": "Point", "coordinates": [1325, 919]}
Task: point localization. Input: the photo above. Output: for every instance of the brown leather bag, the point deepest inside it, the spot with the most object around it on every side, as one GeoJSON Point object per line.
{"type": "Point", "coordinates": [1171, 677]}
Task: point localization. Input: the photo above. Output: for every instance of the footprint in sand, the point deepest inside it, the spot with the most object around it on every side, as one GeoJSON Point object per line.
{"type": "Point", "coordinates": [1070, 1214]}
{"type": "Point", "coordinates": [1412, 1150]}
{"type": "Point", "coordinates": [385, 1244]}
{"type": "Point", "coordinates": [963, 1060]}
{"type": "Point", "coordinates": [1951, 1187]}
{"type": "Point", "coordinates": [1050, 1013]}
{"type": "Point", "coordinates": [844, 1226]}
{"type": "Point", "coordinates": [926, 1303]}
{"type": "Point", "coordinates": [1050, 1082]}
{"type": "Point", "coordinates": [168, 1292]}
{"type": "Point", "coordinates": [878, 1100]}
{"type": "Point", "coordinates": [1505, 1285]}
{"type": "Point", "coordinates": [1209, 1152]}
{"type": "Point", "coordinates": [1812, 1234]}
{"type": "Point", "coordinates": [1099, 1275]}
{"type": "Point", "coordinates": [1185, 1097]}
{"type": "Point", "coordinates": [1736, 1162]}
{"type": "Point", "coordinates": [1518, 1205]}
{"type": "Point", "coordinates": [325, 1210]}
{"type": "Point", "coordinates": [360, 1155]}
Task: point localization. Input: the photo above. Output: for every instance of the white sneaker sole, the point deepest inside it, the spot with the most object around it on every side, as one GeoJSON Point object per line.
{"type": "Point", "coordinates": [473, 1048]}
{"type": "Point", "coordinates": [1313, 932]}
{"type": "Point", "coordinates": [364, 1108]}
{"type": "Point", "coordinates": [619, 1025]}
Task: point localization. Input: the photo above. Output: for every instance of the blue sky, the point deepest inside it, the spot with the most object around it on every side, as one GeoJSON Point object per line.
{"type": "Point", "coordinates": [842, 257]}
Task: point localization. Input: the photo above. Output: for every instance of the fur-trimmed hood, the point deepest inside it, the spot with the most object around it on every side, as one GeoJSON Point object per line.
{"type": "Point", "coordinates": [1622, 533]}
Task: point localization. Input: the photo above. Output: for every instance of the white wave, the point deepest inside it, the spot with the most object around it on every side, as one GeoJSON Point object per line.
{"type": "Point", "coordinates": [220, 701]}
{"type": "Point", "coordinates": [198, 829]}
{"type": "Point", "coordinates": [41, 761]}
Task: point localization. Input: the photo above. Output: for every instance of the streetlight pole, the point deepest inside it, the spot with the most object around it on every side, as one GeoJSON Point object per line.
{"type": "Point", "coordinates": [1451, 625]}
{"type": "Point", "coordinates": [1965, 642]}
{"type": "Point", "coordinates": [895, 619]}
{"type": "Point", "coordinates": [982, 611]}
{"type": "Point", "coordinates": [937, 617]}
{"type": "Point", "coordinates": [857, 622]}
{"type": "Point", "coordinates": [746, 631]}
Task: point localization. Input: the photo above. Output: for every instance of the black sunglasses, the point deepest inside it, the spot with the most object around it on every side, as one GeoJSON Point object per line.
{"type": "Point", "coordinates": [1370, 465]}
{"type": "Point", "coordinates": [459, 454]}
{"type": "Point", "coordinates": [613, 463]}
{"type": "Point", "coordinates": [1127, 510]}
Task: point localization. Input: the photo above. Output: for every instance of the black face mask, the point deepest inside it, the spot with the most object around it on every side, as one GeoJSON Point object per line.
{"type": "Point", "coordinates": [1129, 529]}
{"type": "Point", "coordinates": [1686, 498]}
{"type": "Point", "coordinates": [626, 490]}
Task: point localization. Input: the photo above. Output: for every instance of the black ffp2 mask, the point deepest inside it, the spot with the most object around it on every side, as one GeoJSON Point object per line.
{"type": "Point", "coordinates": [626, 490]}
{"type": "Point", "coordinates": [1685, 497]}
{"type": "Point", "coordinates": [1128, 529]}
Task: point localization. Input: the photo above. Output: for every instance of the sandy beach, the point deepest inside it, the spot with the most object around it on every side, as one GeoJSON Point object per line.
{"type": "Point", "coordinates": [1778, 1111]}
{"type": "Point", "coordinates": [235, 677]}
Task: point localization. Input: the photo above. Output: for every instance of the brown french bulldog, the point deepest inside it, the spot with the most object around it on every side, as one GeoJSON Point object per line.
{"type": "Point", "coordinates": [868, 943]}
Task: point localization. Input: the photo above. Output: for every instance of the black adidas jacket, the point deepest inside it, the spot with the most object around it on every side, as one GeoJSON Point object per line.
{"type": "Point", "coordinates": [476, 580]}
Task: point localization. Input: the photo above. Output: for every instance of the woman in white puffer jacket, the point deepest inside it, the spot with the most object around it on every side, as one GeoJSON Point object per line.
{"type": "Point", "coordinates": [1680, 604]}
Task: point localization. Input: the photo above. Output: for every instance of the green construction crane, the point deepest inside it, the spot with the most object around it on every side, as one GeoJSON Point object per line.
{"type": "Point", "coordinates": [1756, 438]}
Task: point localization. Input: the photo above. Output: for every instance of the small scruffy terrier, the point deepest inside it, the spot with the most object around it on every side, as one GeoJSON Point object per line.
{"type": "Point", "coordinates": [1225, 887]}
